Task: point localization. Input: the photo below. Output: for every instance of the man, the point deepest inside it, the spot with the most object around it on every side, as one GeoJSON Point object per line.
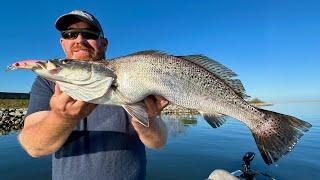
{"type": "Point", "coordinates": [88, 141]}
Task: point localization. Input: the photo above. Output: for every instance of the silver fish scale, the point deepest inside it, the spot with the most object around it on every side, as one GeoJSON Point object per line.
{"type": "Point", "coordinates": [181, 82]}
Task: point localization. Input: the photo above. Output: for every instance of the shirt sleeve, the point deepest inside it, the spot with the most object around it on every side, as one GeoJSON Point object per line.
{"type": "Point", "coordinates": [40, 95]}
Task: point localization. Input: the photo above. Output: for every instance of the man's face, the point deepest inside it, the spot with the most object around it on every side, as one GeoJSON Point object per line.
{"type": "Point", "coordinates": [81, 48]}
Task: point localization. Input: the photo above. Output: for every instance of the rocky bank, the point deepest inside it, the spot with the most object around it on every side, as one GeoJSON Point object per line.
{"type": "Point", "coordinates": [11, 119]}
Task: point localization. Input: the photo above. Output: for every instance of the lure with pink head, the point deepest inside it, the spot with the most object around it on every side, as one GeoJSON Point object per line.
{"type": "Point", "coordinates": [25, 64]}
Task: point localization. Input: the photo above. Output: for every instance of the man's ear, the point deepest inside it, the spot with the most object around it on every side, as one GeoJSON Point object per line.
{"type": "Point", "coordinates": [61, 43]}
{"type": "Point", "coordinates": [105, 42]}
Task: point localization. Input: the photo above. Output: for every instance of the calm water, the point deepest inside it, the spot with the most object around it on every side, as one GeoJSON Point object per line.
{"type": "Point", "coordinates": [194, 149]}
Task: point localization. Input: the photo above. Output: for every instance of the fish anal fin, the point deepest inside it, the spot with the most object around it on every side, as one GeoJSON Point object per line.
{"type": "Point", "coordinates": [214, 119]}
{"type": "Point", "coordinates": [139, 111]}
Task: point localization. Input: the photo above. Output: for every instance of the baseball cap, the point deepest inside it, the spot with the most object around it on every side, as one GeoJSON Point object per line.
{"type": "Point", "coordinates": [65, 20]}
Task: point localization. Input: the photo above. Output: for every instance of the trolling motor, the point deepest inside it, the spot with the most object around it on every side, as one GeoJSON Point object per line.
{"type": "Point", "coordinates": [247, 173]}
{"type": "Point", "coordinates": [247, 158]}
{"type": "Point", "coordinates": [244, 174]}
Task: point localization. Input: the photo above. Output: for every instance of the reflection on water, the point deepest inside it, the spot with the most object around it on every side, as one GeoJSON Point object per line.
{"type": "Point", "coordinates": [178, 123]}
{"type": "Point", "coordinates": [178, 119]}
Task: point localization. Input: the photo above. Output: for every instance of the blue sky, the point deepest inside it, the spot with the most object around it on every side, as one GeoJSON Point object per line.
{"type": "Point", "coordinates": [273, 46]}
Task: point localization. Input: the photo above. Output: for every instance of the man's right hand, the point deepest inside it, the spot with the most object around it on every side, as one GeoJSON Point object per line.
{"type": "Point", "coordinates": [44, 132]}
{"type": "Point", "coordinates": [67, 108]}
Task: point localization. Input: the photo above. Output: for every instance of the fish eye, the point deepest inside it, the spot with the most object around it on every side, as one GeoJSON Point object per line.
{"type": "Point", "coordinates": [56, 62]}
{"type": "Point", "coordinates": [41, 64]}
{"type": "Point", "coordinates": [64, 61]}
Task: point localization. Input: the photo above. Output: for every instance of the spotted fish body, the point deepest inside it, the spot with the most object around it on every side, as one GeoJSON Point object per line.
{"type": "Point", "coordinates": [182, 82]}
{"type": "Point", "coordinates": [194, 82]}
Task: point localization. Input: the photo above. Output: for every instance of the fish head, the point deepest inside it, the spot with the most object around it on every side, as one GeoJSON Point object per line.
{"type": "Point", "coordinates": [50, 69]}
{"type": "Point", "coordinates": [64, 70]}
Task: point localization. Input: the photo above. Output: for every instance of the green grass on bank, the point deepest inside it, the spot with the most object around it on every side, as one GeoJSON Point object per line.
{"type": "Point", "coordinates": [14, 103]}
{"type": "Point", "coordinates": [256, 100]}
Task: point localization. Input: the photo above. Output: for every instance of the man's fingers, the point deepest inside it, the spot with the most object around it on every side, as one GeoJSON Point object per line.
{"type": "Point", "coordinates": [150, 101]}
{"type": "Point", "coordinates": [79, 104]}
{"type": "Point", "coordinates": [161, 102]}
{"type": "Point", "coordinates": [57, 90]}
{"type": "Point", "coordinates": [65, 98]}
{"type": "Point", "coordinates": [91, 106]}
{"type": "Point", "coordinates": [160, 98]}
{"type": "Point", "coordinates": [82, 104]}
{"type": "Point", "coordinates": [84, 108]}
{"type": "Point", "coordinates": [68, 107]}
{"type": "Point", "coordinates": [155, 104]}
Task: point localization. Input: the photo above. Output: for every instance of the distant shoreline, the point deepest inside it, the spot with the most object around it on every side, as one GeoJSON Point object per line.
{"type": "Point", "coordinates": [296, 101]}
{"type": "Point", "coordinates": [12, 95]}
{"type": "Point", "coordinates": [262, 104]}
{"type": "Point", "coordinates": [284, 102]}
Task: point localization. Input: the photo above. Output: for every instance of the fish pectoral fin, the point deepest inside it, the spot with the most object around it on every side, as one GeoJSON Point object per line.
{"type": "Point", "coordinates": [214, 119]}
{"type": "Point", "coordinates": [139, 111]}
{"type": "Point", "coordinates": [87, 92]}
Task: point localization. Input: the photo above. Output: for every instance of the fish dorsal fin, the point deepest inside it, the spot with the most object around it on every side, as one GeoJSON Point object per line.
{"type": "Point", "coordinates": [219, 70]}
{"type": "Point", "coordinates": [148, 52]}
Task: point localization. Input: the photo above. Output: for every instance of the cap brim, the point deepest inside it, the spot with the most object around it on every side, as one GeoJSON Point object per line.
{"type": "Point", "coordinates": [64, 21]}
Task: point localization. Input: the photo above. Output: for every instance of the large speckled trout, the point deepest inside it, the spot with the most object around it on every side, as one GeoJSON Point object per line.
{"type": "Point", "coordinates": [194, 82]}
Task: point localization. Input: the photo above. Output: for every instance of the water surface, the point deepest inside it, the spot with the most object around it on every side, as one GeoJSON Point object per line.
{"type": "Point", "coordinates": [194, 149]}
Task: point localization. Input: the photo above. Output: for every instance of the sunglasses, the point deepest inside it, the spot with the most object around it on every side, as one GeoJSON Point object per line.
{"type": "Point", "coordinates": [85, 33]}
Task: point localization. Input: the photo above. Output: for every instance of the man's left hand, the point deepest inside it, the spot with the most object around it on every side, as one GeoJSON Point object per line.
{"type": "Point", "coordinates": [154, 136]}
{"type": "Point", "coordinates": [155, 104]}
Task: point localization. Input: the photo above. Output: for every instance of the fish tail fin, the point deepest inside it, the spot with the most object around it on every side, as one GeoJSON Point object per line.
{"type": "Point", "coordinates": [278, 135]}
